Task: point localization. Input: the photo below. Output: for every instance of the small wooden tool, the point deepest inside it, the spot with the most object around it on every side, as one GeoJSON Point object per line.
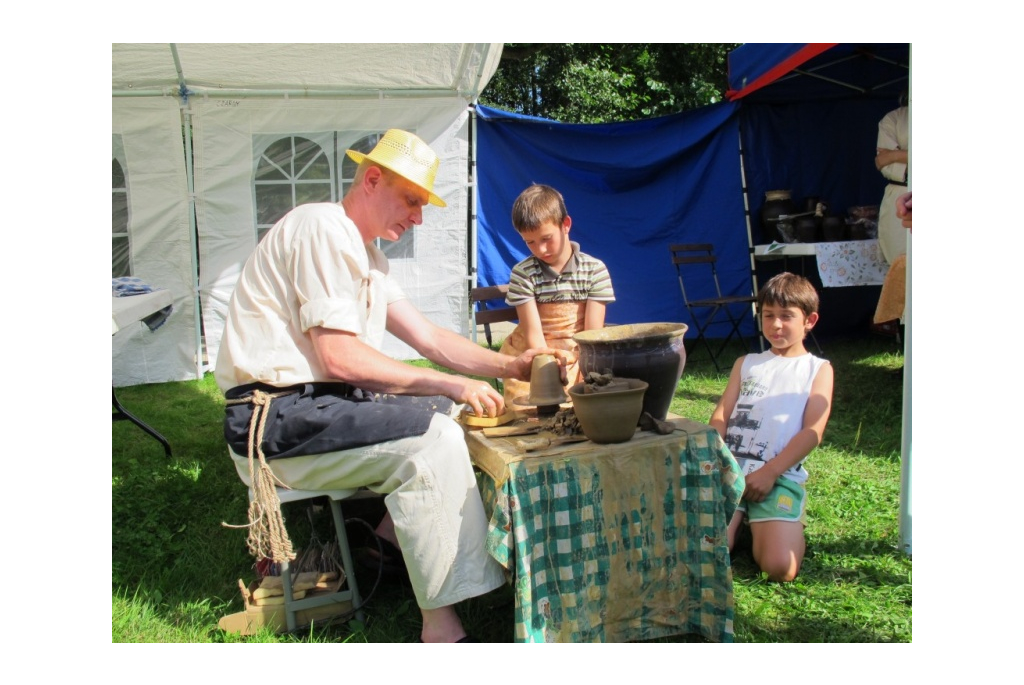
{"type": "Point", "coordinates": [542, 443]}
{"type": "Point", "coordinates": [506, 431]}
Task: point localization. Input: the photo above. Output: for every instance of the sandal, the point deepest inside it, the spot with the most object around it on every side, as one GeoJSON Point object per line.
{"type": "Point", "coordinates": [390, 565]}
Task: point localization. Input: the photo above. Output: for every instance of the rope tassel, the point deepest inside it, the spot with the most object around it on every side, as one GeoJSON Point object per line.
{"type": "Point", "coordinates": [267, 537]}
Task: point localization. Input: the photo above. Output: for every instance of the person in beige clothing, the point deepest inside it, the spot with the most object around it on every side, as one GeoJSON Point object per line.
{"type": "Point", "coordinates": [300, 359]}
{"type": "Point", "coordinates": [892, 161]}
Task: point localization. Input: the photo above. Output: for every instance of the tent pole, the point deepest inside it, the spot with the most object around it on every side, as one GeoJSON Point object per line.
{"type": "Point", "coordinates": [906, 517]}
{"type": "Point", "coordinates": [906, 461]}
{"type": "Point", "coordinates": [471, 222]}
{"type": "Point", "coordinates": [237, 93]}
{"type": "Point", "coordinates": [750, 239]}
{"type": "Point", "coordinates": [186, 124]}
{"type": "Point", "coordinates": [186, 118]}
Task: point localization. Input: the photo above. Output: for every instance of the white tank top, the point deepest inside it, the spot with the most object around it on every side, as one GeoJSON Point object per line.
{"type": "Point", "coordinates": [770, 408]}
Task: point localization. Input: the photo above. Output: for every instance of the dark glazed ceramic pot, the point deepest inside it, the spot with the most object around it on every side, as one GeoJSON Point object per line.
{"type": "Point", "coordinates": [651, 352]}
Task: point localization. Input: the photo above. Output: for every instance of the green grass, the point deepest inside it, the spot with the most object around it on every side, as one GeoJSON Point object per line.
{"type": "Point", "coordinates": [175, 567]}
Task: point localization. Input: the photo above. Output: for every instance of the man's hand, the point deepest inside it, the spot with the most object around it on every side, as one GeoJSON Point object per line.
{"type": "Point", "coordinates": [481, 397]}
{"type": "Point", "coordinates": [903, 209]}
{"type": "Point", "coordinates": [522, 365]}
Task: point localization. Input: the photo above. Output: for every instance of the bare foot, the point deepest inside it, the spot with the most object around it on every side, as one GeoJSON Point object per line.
{"type": "Point", "coordinates": [441, 625]}
{"type": "Point", "coordinates": [386, 529]}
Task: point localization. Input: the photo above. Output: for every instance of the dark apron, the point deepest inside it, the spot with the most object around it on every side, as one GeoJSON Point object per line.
{"type": "Point", "coordinates": [314, 418]}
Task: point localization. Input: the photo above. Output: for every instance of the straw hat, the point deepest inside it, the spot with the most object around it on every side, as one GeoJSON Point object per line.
{"type": "Point", "coordinates": [407, 156]}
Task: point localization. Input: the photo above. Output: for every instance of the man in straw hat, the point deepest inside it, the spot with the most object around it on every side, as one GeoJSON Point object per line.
{"type": "Point", "coordinates": [300, 366]}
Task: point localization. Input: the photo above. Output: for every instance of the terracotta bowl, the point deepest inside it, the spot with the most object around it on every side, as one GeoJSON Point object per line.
{"type": "Point", "coordinates": [611, 415]}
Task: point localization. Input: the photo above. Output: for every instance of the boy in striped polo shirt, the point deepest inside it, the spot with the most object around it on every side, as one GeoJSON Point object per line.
{"type": "Point", "coordinates": [558, 290]}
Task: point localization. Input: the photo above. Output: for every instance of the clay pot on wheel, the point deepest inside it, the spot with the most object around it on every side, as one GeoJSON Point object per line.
{"type": "Point", "coordinates": [545, 382]}
{"type": "Point", "coordinates": [651, 352]}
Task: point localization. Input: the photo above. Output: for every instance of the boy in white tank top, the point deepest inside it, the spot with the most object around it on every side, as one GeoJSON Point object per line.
{"type": "Point", "coordinates": [772, 414]}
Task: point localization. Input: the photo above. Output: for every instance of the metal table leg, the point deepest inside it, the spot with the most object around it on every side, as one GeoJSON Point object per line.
{"type": "Point", "coordinates": [122, 414]}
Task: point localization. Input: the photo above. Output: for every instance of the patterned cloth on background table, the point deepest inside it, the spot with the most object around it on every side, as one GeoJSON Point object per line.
{"type": "Point", "coordinates": [627, 544]}
{"type": "Point", "coordinates": [851, 262]}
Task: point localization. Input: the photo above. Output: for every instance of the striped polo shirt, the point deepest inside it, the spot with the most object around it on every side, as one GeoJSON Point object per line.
{"type": "Point", "coordinates": [583, 278]}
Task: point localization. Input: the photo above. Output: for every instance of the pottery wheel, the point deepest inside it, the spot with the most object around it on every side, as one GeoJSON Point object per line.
{"type": "Point", "coordinates": [542, 409]}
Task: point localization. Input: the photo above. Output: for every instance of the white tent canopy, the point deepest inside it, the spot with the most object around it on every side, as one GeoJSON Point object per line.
{"type": "Point", "coordinates": [215, 141]}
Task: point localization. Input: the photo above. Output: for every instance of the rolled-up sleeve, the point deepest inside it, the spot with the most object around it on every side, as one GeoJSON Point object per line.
{"type": "Point", "coordinates": [332, 281]}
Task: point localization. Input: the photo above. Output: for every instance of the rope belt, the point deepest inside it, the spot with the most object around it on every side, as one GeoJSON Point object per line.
{"type": "Point", "coordinates": [267, 537]}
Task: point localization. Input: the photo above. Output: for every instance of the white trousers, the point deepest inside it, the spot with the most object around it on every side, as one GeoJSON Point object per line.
{"type": "Point", "coordinates": [432, 496]}
{"type": "Point", "coordinates": [892, 237]}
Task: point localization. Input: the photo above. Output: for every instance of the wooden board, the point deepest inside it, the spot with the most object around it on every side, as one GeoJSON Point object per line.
{"type": "Point", "coordinates": [254, 617]}
{"type": "Point", "coordinates": [249, 622]}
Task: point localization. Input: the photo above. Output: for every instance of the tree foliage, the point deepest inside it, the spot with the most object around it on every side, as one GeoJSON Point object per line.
{"type": "Point", "coordinates": [597, 82]}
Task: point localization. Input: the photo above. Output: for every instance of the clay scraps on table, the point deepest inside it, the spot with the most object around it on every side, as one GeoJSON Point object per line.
{"type": "Point", "coordinates": [603, 382]}
{"type": "Point", "coordinates": [565, 422]}
{"type": "Point", "coordinates": [649, 423]}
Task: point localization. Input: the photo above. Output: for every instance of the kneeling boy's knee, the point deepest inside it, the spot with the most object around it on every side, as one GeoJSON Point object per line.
{"type": "Point", "coordinates": [782, 575]}
{"type": "Point", "coordinates": [781, 567]}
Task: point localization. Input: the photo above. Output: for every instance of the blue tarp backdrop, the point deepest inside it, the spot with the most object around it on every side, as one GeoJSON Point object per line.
{"type": "Point", "coordinates": [809, 116]}
{"type": "Point", "coordinates": [631, 189]}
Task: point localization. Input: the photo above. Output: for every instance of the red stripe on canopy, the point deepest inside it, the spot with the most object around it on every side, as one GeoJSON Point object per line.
{"type": "Point", "coordinates": [809, 51]}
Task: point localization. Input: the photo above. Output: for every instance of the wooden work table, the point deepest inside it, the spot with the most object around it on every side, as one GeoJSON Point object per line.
{"type": "Point", "coordinates": [613, 543]}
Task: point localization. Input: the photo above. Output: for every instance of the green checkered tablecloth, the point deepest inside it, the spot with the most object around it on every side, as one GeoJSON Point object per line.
{"type": "Point", "coordinates": [614, 543]}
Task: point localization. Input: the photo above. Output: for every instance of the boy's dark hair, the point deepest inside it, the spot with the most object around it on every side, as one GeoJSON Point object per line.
{"type": "Point", "coordinates": [789, 290]}
{"type": "Point", "coordinates": [537, 205]}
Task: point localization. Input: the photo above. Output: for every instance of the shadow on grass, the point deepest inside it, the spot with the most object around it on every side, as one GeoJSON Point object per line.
{"type": "Point", "coordinates": [168, 545]}
{"type": "Point", "coordinates": [848, 590]}
{"type": "Point", "coordinates": [801, 629]}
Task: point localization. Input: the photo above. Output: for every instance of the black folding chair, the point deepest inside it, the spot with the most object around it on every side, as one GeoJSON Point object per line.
{"type": "Point", "coordinates": [489, 307]}
{"type": "Point", "coordinates": [704, 300]}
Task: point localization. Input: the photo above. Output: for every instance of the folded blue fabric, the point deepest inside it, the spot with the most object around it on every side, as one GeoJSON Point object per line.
{"type": "Point", "coordinates": [129, 285]}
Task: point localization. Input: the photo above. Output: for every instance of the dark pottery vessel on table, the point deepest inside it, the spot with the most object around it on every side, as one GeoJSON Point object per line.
{"type": "Point", "coordinates": [863, 222]}
{"type": "Point", "coordinates": [777, 203]}
{"type": "Point", "coordinates": [807, 229]}
{"type": "Point", "coordinates": [786, 231]}
{"type": "Point", "coordinates": [833, 229]}
{"type": "Point", "coordinates": [811, 204]}
{"type": "Point", "coordinates": [651, 352]}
